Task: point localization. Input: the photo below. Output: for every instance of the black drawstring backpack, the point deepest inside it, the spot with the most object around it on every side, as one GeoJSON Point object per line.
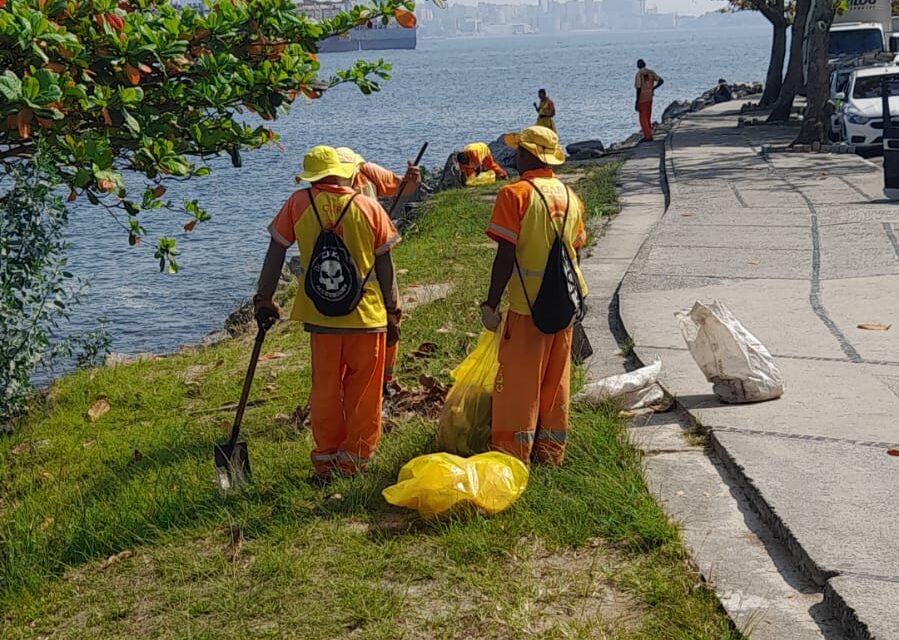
{"type": "Point", "coordinates": [333, 282]}
{"type": "Point", "coordinates": [560, 300]}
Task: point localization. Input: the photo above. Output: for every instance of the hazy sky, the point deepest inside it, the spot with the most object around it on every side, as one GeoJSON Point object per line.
{"type": "Point", "coordinates": [688, 7]}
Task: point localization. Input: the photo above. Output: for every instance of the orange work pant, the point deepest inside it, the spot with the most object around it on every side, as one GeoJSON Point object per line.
{"type": "Point", "coordinates": [531, 393]}
{"type": "Point", "coordinates": [646, 118]}
{"type": "Point", "coordinates": [347, 382]}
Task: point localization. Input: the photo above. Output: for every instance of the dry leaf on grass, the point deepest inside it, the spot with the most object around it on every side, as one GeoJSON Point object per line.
{"type": "Point", "coordinates": [272, 355]}
{"type": "Point", "coordinates": [22, 447]}
{"type": "Point", "coordinates": [425, 350]}
{"type": "Point", "coordinates": [874, 326]}
{"type": "Point", "coordinates": [98, 409]}
{"type": "Point", "coordinates": [112, 560]}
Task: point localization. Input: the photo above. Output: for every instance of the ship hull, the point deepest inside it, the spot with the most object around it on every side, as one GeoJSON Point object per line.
{"type": "Point", "coordinates": [371, 40]}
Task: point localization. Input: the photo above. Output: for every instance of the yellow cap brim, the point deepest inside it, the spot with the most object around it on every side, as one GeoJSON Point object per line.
{"type": "Point", "coordinates": [343, 170]}
{"type": "Point", "coordinates": [553, 157]}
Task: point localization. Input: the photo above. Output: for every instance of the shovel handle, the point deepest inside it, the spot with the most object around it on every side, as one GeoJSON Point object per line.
{"type": "Point", "coordinates": [399, 191]}
{"type": "Point", "coordinates": [247, 384]}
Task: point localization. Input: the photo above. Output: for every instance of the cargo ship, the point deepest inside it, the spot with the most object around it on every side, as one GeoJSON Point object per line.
{"type": "Point", "coordinates": [376, 37]}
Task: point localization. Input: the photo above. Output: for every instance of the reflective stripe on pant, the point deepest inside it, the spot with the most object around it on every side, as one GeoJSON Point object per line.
{"type": "Point", "coordinates": [390, 362]}
{"type": "Point", "coordinates": [347, 382]}
{"type": "Point", "coordinates": [646, 119]}
{"type": "Point", "coordinates": [531, 393]}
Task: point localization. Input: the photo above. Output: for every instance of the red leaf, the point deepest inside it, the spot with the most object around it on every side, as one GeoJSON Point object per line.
{"type": "Point", "coordinates": [405, 18]}
{"type": "Point", "coordinates": [72, 196]}
{"type": "Point", "coordinates": [107, 119]}
{"type": "Point", "coordinates": [159, 191]}
{"type": "Point", "coordinates": [893, 452]}
{"type": "Point", "coordinates": [132, 74]}
{"type": "Point", "coordinates": [190, 226]}
{"type": "Point", "coordinates": [106, 185]}
{"type": "Point", "coordinates": [23, 123]}
{"type": "Point", "coordinates": [2, 3]}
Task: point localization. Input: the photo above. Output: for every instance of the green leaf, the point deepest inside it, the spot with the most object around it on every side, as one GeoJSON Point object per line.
{"type": "Point", "coordinates": [130, 122]}
{"type": "Point", "coordinates": [11, 86]}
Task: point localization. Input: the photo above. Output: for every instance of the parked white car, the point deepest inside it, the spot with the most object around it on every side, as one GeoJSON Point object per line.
{"type": "Point", "coordinates": [861, 107]}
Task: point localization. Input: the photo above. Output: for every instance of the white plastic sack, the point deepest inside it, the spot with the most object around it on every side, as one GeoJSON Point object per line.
{"type": "Point", "coordinates": [631, 391]}
{"type": "Point", "coordinates": [739, 366]}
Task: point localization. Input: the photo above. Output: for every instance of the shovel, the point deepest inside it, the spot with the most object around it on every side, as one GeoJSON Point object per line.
{"type": "Point", "coordinates": [232, 459]}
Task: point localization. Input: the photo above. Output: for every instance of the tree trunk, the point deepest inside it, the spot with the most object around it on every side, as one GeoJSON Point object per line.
{"type": "Point", "coordinates": [817, 116]}
{"type": "Point", "coordinates": [793, 82]}
{"type": "Point", "coordinates": [774, 79]}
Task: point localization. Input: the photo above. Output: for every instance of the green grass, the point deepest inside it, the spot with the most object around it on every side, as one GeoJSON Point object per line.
{"type": "Point", "coordinates": [586, 553]}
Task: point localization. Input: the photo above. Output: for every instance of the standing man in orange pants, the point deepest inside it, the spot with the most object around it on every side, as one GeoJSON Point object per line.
{"type": "Point", "coordinates": [348, 350]}
{"type": "Point", "coordinates": [646, 82]}
{"type": "Point", "coordinates": [531, 393]}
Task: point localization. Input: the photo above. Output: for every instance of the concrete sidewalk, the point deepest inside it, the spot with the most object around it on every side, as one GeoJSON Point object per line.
{"type": "Point", "coordinates": [802, 250]}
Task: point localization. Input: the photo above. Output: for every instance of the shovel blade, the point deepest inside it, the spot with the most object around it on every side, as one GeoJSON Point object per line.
{"type": "Point", "coordinates": [232, 466]}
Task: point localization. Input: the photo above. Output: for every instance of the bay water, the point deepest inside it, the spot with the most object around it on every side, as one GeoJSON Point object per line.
{"type": "Point", "coordinates": [448, 92]}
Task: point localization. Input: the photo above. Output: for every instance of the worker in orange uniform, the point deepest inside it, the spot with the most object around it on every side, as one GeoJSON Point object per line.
{"type": "Point", "coordinates": [348, 351]}
{"type": "Point", "coordinates": [375, 181]}
{"type": "Point", "coordinates": [531, 393]}
{"type": "Point", "coordinates": [646, 83]}
{"type": "Point", "coordinates": [476, 158]}
{"type": "Point", "coordinates": [546, 111]}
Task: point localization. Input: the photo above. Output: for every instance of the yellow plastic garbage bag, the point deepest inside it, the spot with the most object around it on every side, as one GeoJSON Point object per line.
{"type": "Point", "coordinates": [465, 421]}
{"type": "Point", "coordinates": [482, 179]}
{"type": "Point", "coordinates": [437, 482]}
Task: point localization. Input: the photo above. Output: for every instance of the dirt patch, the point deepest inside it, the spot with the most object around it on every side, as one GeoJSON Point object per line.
{"type": "Point", "coordinates": [418, 294]}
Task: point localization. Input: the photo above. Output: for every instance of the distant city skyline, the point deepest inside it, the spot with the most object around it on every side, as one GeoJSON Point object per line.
{"type": "Point", "coordinates": [685, 7]}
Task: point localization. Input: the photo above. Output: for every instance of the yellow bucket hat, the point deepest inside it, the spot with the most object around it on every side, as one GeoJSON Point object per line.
{"type": "Point", "coordinates": [349, 156]}
{"type": "Point", "coordinates": [323, 161]}
{"type": "Point", "coordinates": [540, 141]}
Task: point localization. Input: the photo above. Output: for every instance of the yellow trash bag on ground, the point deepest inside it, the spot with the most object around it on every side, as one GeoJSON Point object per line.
{"type": "Point", "coordinates": [465, 422]}
{"type": "Point", "coordinates": [434, 484]}
{"type": "Point", "coordinates": [482, 179]}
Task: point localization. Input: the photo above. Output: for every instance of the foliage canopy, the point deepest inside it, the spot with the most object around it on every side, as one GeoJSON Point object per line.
{"type": "Point", "coordinates": [116, 86]}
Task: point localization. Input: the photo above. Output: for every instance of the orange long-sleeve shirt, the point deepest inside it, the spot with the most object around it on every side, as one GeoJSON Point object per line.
{"type": "Point", "coordinates": [480, 159]}
{"type": "Point", "coordinates": [375, 181]}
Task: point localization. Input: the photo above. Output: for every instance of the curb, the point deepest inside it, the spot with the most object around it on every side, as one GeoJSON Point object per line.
{"type": "Point", "coordinates": [854, 628]}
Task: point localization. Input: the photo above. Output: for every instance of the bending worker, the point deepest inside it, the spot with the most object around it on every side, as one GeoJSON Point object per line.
{"type": "Point", "coordinates": [476, 158]}
{"type": "Point", "coordinates": [375, 181]}
{"type": "Point", "coordinates": [348, 349]}
{"type": "Point", "coordinates": [546, 111]}
{"type": "Point", "coordinates": [531, 393]}
{"type": "Point", "coordinates": [646, 83]}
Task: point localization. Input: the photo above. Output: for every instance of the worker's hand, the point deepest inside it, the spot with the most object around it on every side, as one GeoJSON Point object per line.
{"type": "Point", "coordinates": [536, 107]}
{"type": "Point", "coordinates": [393, 326]}
{"type": "Point", "coordinates": [267, 313]}
{"type": "Point", "coordinates": [636, 106]}
{"type": "Point", "coordinates": [413, 174]}
{"type": "Point", "coordinates": [490, 317]}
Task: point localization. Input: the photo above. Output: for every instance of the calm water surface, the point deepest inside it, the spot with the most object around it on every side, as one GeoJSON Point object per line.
{"type": "Point", "coordinates": [448, 92]}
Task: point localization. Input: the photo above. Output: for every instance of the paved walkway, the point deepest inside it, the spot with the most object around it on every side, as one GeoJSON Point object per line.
{"type": "Point", "coordinates": [803, 250]}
